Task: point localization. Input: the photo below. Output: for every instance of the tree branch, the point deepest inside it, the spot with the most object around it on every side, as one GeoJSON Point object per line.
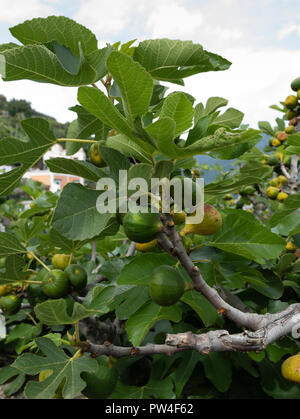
{"type": "Point", "coordinates": [131, 250]}
{"type": "Point", "coordinates": [213, 341]}
{"type": "Point", "coordinates": [293, 181]}
{"type": "Point", "coordinates": [249, 320]}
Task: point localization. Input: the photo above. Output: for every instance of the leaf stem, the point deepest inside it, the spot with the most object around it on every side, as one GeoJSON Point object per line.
{"type": "Point", "coordinates": [32, 319]}
{"type": "Point", "coordinates": [40, 261]}
{"type": "Point", "coordinates": [32, 282]}
{"type": "Point", "coordinates": [75, 140]}
{"type": "Point", "coordinates": [77, 336]}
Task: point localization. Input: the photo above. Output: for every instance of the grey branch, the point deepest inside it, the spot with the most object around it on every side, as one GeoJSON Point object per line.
{"type": "Point", "coordinates": [284, 170]}
{"type": "Point", "coordinates": [252, 321]}
{"type": "Point", "coordinates": [293, 181]}
{"type": "Point", "coordinates": [131, 250]}
{"type": "Point", "coordinates": [94, 251]}
{"type": "Point", "coordinates": [213, 341]}
{"type": "Point", "coordinates": [262, 329]}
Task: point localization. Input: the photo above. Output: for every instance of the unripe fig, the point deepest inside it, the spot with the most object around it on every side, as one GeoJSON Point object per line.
{"type": "Point", "coordinates": [291, 101]}
{"type": "Point", "coordinates": [290, 247]}
{"type": "Point", "coordinates": [146, 247]}
{"type": "Point", "coordinates": [280, 156]}
{"type": "Point", "coordinates": [276, 143]}
{"type": "Point", "coordinates": [274, 182]}
{"type": "Point", "coordinates": [282, 180]}
{"type": "Point", "coordinates": [273, 160]}
{"type": "Point", "coordinates": [291, 114]}
{"type": "Point", "coordinates": [5, 289]}
{"type": "Point", "coordinates": [166, 286]}
{"type": "Point", "coordinates": [96, 156]}
{"type": "Point", "coordinates": [61, 261]}
{"type": "Point", "coordinates": [211, 223]}
{"type": "Point", "coordinates": [196, 173]}
{"type": "Point", "coordinates": [273, 192]}
{"type": "Point", "coordinates": [179, 217]}
{"type": "Point", "coordinates": [290, 129]}
{"type": "Point", "coordinates": [228, 197]}
{"type": "Point", "coordinates": [282, 196]}
{"type": "Point", "coordinates": [295, 85]}
{"type": "Point", "coordinates": [290, 369]}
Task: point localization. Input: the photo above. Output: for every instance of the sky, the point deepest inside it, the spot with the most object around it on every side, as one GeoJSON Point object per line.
{"type": "Point", "coordinates": [260, 37]}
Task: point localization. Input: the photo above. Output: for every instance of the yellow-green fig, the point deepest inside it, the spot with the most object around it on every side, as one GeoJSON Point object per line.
{"type": "Point", "coordinates": [291, 101]}
{"type": "Point", "coordinates": [178, 217]}
{"type": "Point", "coordinates": [273, 192]}
{"type": "Point", "coordinates": [282, 196]}
{"type": "Point", "coordinates": [274, 182]}
{"type": "Point", "coordinates": [211, 223]}
{"type": "Point", "coordinates": [96, 156]}
{"type": "Point", "coordinates": [276, 142]}
{"type": "Point", "coordinates": [290, 369]}
{"type": "Point", "coordinates": [146, 247]}
{"type": "Point", "coordinates": [282, 180]}
{"type": "Point", "coordinates": [290, 247]}
{"type": "Point", "coordinates": [291, 114]}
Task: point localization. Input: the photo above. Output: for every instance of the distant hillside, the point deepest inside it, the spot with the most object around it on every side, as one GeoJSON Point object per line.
{"type": "Point", "coordinates": [13, 111]}
{"type": "Point", "coordinates": [210, 175]}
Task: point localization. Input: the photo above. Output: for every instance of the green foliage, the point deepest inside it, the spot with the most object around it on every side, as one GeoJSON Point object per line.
{"type": "Point", "coordinates": [141, 129]}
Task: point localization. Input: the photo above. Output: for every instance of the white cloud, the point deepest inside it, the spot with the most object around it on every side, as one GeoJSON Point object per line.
{"type": "Point", "coordinates": [173, 20]}
{"type": "Point", "coordinates": [257, 79]}
{"type": "Point", "coordinates": [106, 17]}
{"type": "Point", "coordinates": [288, 30]}
{"type": "Point", "coordinates": [16, 11]}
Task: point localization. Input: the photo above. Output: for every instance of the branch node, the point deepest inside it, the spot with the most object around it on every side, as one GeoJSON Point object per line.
{"type": "Point", "coordinates": [134, 351]}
